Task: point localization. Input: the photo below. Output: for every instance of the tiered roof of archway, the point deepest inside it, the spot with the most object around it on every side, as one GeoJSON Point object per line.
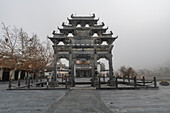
{"type": "Point", "coordinates": [82, 30]}
{"type": "Point", "coordinates": [80, 23]}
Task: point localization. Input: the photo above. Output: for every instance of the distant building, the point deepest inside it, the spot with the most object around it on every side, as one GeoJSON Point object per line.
{"type": "Point", "coordinates": [61, 70]}
{"type": "Point", "coordinates": [8, 70]}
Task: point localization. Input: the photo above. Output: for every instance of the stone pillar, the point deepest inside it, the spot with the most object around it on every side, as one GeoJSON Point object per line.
{"type": "Point", "coordinates": [95, 62]}
{"type": "Point", "coordinates": [111, 81]}
{"type": "Point", "coordinates": [73, 72]}
{"type": "Point", "coordinates": [93, 72]}
{"type": "Point", "coordinates": [110, 67]}
{"type": "Point", "coordinates": [143, 80]}
{"type": "Point", "coordinates": [1, 74]}
{"type": "Point", "coordinates": [155, 84]}
{"type": "Point", "coordinates": [71, 66]}
{"type": "Point", "coordinates": [55, 63]}
{"type": "Point", "coordinates": [95, 67]}
{"type": "Point", "coordinates": [70, 61]}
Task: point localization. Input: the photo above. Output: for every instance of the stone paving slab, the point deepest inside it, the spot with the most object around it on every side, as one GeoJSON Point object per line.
{"type": "Point", "coordinates": [137, 101]}
{"type": "Point", "coordinates": [84, 99]}
{"type": "Point", "coordinates": [79, 101]}
{"type": "Point", "coordinates": [27, 101]}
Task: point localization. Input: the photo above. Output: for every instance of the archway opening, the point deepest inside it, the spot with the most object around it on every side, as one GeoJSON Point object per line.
{"type": "Point", "coordinates": [104, 67]}
{"type": "Point", "coordinates": [62, 67]}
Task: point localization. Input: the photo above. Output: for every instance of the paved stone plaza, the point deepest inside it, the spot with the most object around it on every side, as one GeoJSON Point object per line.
{"type": "Point", "coordinates": [82, 100]}
{"type": "Point", "coordinates": [137, 101]}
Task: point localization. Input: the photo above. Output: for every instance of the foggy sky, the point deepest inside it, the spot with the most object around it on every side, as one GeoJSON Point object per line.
{"type": "Point", "coordinates": [143, 26]}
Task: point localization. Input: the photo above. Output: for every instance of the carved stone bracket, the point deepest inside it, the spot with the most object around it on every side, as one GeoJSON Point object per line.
{"type": "Point", "coordinates": [97, 41]}
{"type": "Point", "coordinates": [102, 56]}
{"type": "Point", "coordinates": [85, 56]}
{"type": "Point", "coordinates": [66, 56]}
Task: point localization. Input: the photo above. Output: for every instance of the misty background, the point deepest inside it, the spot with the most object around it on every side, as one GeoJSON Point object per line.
{"type": "Point", "coordinates": [143, 26]}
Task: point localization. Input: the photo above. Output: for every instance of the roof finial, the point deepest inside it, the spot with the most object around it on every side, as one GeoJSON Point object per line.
{"type": "Point", "coordinates": [63, 24]}
{"type": "Point", "coordinates": [53, 32]}
{"type": "Point", "coordinates": [71, 15]}
{"type": "Point", "coordinates": [103, 23]}
{"type": "Point", "coordinates": [93, 15]}
{"type": "Point", "coordinates": [111, 32]}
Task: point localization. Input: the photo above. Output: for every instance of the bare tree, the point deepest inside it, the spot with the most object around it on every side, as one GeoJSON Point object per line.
{"type": "Point", "coordinates": [23, 52]}
{"type": "Point", "coordinates": [127, 72]}
{"type": "Point", "coordinates": [8, 46]}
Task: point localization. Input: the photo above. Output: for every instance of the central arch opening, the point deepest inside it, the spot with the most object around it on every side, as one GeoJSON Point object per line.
{"type": "Point", "coordinates": [83, 68]}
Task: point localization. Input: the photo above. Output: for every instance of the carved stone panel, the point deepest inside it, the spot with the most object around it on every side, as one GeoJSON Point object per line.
{"type": "Point", "coordinates": [66, 56]}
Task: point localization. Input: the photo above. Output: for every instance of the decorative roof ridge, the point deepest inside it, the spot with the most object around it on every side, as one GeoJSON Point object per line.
{"type": "Point", "coordinates": [96, 27]}
{"type": "Point", "coordinates": [100, 25]}
{"type": "Point", "coordinates": [107, 37]}
{"type": "Point", "coordinates": [111, 33]}
{"type": "Point", "coordinates": [78, 19]}
{"type": "Point", "coordinates": [54, 33]}
{"type": "Point", "coordinates": [66, 28]}
{"type": "Point", "coordinates": [92, 28]}
{"type": "Point", "coordinates": [72, 16]}
{"type": "Point", "coordinates": [69, 25]}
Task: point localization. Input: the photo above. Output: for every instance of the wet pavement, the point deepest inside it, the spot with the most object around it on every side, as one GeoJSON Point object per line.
{"type": "Point", "coordinates": [137, 101]}
{"type": "Point", "coordinates": [83, 99]}
{"type": "Point", "coordinates": [27, 101]}
{"type": "Point", "coordinates": [79, 101]}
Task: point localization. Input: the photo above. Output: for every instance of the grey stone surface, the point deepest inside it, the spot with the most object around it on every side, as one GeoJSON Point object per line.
{"type": "Point", "coordinates": [79, 101]}
{"type": "Point", "coordinates": [84, 99]}
{"type": "Point", "coordinates": [137, 101]}
{"type": "Point", "coordinates": [27, 101]}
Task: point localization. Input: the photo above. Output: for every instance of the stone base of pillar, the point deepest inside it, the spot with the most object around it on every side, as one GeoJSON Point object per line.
{"type": "Point", "coordinates": [53, 84]}
{"type": "Point", "coordinates": [92, 84]}
{"type": "Point", "coordinates": [71, 83]}
{"type": "Point", "coordinates": [111, 82]}
{"type": "Point", "coordinates": [95, 82]}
